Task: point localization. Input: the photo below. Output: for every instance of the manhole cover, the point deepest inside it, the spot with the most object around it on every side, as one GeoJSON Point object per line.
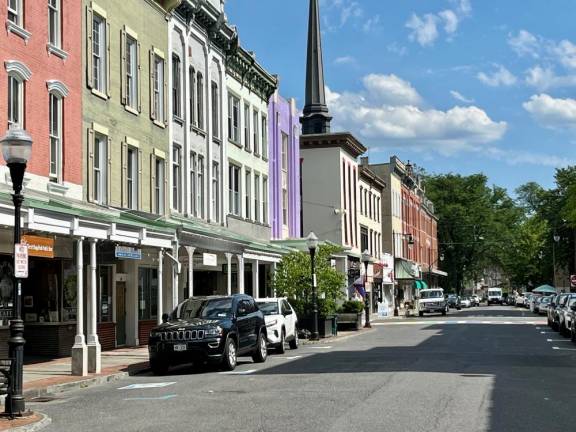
{"type": "Point", "coordinates": [41, 399]}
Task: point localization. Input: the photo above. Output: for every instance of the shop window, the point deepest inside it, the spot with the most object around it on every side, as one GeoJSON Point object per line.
{"type": "Point", "coordinates": [147, 293]}
{"type": "Point", "coordinates": [105, 294]}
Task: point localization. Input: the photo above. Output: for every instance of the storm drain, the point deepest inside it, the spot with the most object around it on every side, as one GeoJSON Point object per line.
{"type": "Point", "coordinates": [43, 399]}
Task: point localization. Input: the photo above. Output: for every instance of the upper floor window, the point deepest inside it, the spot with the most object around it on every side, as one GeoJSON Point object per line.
{"type": "Point", "coordinates": [131, 85]}
{"type": "Point", "coordinates": [264, 137]}
{"type": "Point", "coordinates": [176, 87]}
{"type": "Point", "coordinates": [176, 177]}
{"type": "Point", "coordinates": [247, 136]}
{"type": "Point", "coordinates": [192, 91]}
{"type": "Point", "coordinates": [158, 180]}
{"type": "Point", "coordinates": [215, 191]}
{"type": "Point", "coordinates": [284, 152]}
{"type": "Point", "coordinates": [234, 189]}
{"type": "Point", "coordinates": [55, 130]}
{"type": "Point", "coordinates": [132, 177]}
{"type": "Point", "coordinates": [201, 187]}
{"type": "Point", "coordinates": [199, 100]}
{"type": "Point", "coordinates": [99, 54]}
{"type": "Point", "coordinates": [54, 23]}
{"type": "Point", "coordinates": [100, 172]}
{"type": "Point", "coordinates": [215, 110]}
{"type": "Point", "coordinates": [234, 118]}
{"type": "Point", "coordinates": [248, 195]}
{"type": "Point", "coordinates": [256, 132]}
{"type": "Point", "coordinates": [15, 12]}
{"type": "Point", "coordinates": [265, 200]}
{"type": "Point", "coordinates": [15, 101]}
{"type": "Point", "coordinates": [193, 183]}
{"type": "Point", "coordinates": [257, 197]}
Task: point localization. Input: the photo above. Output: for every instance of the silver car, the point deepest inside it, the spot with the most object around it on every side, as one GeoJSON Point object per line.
{"type": "Point", "coordinates": [544, 305]}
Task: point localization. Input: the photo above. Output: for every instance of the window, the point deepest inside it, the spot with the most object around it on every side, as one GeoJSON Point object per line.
{"type": "Point", "coordinates": [158, 89]}
{"type": "Point", "coordinates": [264, 137]}
{"type": "Point", "coordinates": [215, 111]}
{"type": "Point", "coordinates": [193, 189]}
{"type": "Point", "coordinates": [100, 171]}
{"type": "Point", "coordinates": [55, 112]}
{"type": "Point", "coordinates": [363, 239]}
{"type": "Point", "coordinates": [284, 207]}
{"type": "Point", "coordinates": [192, 88]}
{"type": "Point", "coordinates": [201, 187]}
{"type": "Point", "coordinates": [15, 11]}
{"type": "Point", "coordinates": [158, 185]}
{"type": "Point", "coordinates": [257, 197]}
{"type": "Point", "coordinates": [15, 102]}
{"type": "Point", "coordinates": [147, 293]}
{"type": "Point", "coordinates": [200, 101]}
{"type": "Point", "coordinates": [361, 200]}
{"type": "Point", "coordinates": [176, 177]}
{"type": "Point", "coordinates": [234, 189]}
{"type": "Point", "coordinates": [234, 119]}
{"type": "Point", "coordinates": [215, 191]}
{"type": "Point", "coordinates": [345, 201]}
{"type": "Point", "coordinates": [54, 29]}
{"type": "Point", "coordinates": [265, 200]}
{"type": "Point", "coordinates": [256, 133]}
{"type": "Point", "coordinates": [176, 87]}
{"type": "Point", "coordinates": [247, 137]}
{"type": "Point", "coordinates": [132, 177]}
{"type": "Point", "coordinates": [248, 194]}
{"type": "Point", "coordinates": [132, 75]}
{"type": "Point", "coordinates": [99, 60]}
{"type": "Point", "coordinates": [284, 152]}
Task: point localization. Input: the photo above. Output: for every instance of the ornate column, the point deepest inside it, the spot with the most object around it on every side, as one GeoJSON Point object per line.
{"type": "Point", "coordinates": [240, 273]}
{"type": "Point", "coordinates": [160, 310]}
{"type": "Point", "coordinates": [79, 349]}
{"type": "Point", "coordinates": [94, 349]}
{"type": "Point", "coordinates": [229, 280]}
{"type": "Point", "coordinates": [190, 251]}
{"type": "Point", "coordinates": [256, 279]}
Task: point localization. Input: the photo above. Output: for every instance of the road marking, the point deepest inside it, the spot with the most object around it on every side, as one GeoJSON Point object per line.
{"type": "Point", "coordinates": [151, 398]}
{"type": "Point", "coordinates": [564, 349]}
{"type": "Point", "coordinates": [557, 340]}
{"type": "Point", "coordinates": [547, 332]}
{"type": "Point", "coordinates": [146, 386]}
{"type": "Point", "coordinates": [462, 322]}
{"type": "Point", "coordinates": [289, 358]}
{"type": "Point", "coordinates": [246, 372]}
{"type": "Point", "coordinates": [321, 347]}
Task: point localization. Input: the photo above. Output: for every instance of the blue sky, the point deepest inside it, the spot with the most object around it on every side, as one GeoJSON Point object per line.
{"type": "Point", "coordinates": [461, 86]}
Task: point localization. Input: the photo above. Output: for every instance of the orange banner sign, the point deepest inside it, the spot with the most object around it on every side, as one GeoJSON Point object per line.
{"type": "Point", "coordinates": [42, 247]}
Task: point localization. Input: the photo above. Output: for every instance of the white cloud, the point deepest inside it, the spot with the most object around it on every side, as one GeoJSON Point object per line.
{"type": "Point", "coordinates": [464, 7]}
{"type": "Point", "coordinates": [380, 121]}
{"type": "Point", "coordinates": [344, 60]}
{"type": "Point", "coordinates": [391, 90]}
{"type": "Point", "coordinates": [424, 30]}
{"type": "Point", "coordinates": [525, 44]}
{"type": "Point", "coordinates": [515, 157]}
{"type": "Point", "coordinates": [551, 112]}
{"type": "Point", "coordinates": [339, 13]}
{"type": "Point", "coordinates": [545, 78]}
{"type": "Point", "coordinates": [459, 97]}
{"type": "Point", "coordinates": [565, 52]}
{"type": "Point", "coordinates": [500, 77]}
{"type": "Point", "coordinates": [451, 21]}
{"type": "Point", "coordinates": [397, 49]}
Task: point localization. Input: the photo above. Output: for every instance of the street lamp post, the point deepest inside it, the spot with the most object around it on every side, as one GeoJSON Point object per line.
{"type": "Point", "coordinates": [366, 260]}
{"type": "Point", "coordinates": [16, 148]}
{"type": "Point", "coordinates": [556, 239]}
{"type": "Point", "coordinates": [312, 243]}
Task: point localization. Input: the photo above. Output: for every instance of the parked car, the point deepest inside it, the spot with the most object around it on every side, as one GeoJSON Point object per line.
{"type": "Point", "coordinates": [281, 323]}
{"type": "Point", "coordinates": [494, 296]}
{"type": "Point", "coordinates": [552, 310]}
{"type": "Point", "coordinates": [519, 300]}
{"type": "Point", "coordinates": [216, 329]}
{"type": "Point", "coordinates": [475, 300]}
{"type": "Point", "coordinates": [556, 311]}
{"type": "Point", "coordinates": [536, 304]}
{"type": "Point", "coordinates": [533, 299]}
{"type": "Point", "coordinates": [432, 301]}
{"type": "Point", "coordinates": [565, 315]}
{"type": "Point", "coordinates": [544, 304]}
{"type": "Point", "coordinates": [465, 302]}
{"type": "Point", "coordinates": [528, 300]}
{"type": "Point", "coordinates": [573, 323]}
{"type": "Point", "coordinates": [453, 301]}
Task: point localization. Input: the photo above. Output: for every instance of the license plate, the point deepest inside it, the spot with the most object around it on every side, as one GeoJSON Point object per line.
{"type": "Point", "coordinates": [180, 347]}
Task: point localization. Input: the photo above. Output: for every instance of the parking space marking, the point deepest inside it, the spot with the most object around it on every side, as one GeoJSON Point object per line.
{"type": "Point", "coordinates": [246, 372]}
{"type": "Point", "coordinates": [546, 332]}
{"type": "Point", "coordinates": [557, 340]}
{"type": "Point", "coordinates": [146, 386]}
{"type": "Point", "coordinates": [564, 349]}
{"type": "Point", "coordinates": [288, 358]}
{"type": "Point", "coordinates": [166, 397]}
{"type": "Point", "coordinates": [321, 347]}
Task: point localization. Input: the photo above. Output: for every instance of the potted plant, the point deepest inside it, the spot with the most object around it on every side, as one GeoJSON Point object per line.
{"type": "Point", "coordinates": [350, 314]}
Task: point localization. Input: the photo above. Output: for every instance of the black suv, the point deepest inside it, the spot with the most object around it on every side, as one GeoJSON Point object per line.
{"type": "Point", "coordinates": [216, 329]}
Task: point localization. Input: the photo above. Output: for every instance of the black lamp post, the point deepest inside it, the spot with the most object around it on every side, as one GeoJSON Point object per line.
{"type": "Point", "coordinates": [312, 243]}
{"type": "Point", "coordinates": [16, 148]}
{"type": "Point", "coordinates": [366, 260]}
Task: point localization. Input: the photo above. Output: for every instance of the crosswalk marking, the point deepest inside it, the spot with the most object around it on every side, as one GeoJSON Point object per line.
{"type": "Point", "coordinates": [146, 386]}
{"type": "Point", "coordinates": [563, 349]}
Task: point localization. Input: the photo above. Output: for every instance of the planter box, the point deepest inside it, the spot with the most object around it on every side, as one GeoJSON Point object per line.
{"type": "Point", "coordinates": [326, 325]}
{"type": "Point", "coordinates": [350, 320]}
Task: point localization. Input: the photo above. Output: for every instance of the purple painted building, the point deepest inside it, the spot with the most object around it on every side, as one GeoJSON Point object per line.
{"type": "Point", "coordinates": [284, 168]}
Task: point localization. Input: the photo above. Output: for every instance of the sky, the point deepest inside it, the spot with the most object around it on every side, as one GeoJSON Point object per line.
{"type": "Point", "coordinates": [460, 86]}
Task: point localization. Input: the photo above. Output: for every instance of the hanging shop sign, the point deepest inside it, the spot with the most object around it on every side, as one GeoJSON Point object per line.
{"type": "Point", "coordinates": [210, 260]}
{"type": "Point", "coordinates": [20, 261]}
{"type": "Point", "coordinates": [127, 252]}
{"type": "Point", "coordinates": [41, 247]}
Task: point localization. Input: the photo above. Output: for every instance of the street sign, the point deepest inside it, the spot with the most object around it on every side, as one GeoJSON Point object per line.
{"type": "Point", "coordinates": [573, 281]}
{"type": "Point", "coordinates": [210, 260]}
{"type": "Point", "coordinates": [127, 252]}
{"type": "Point", "coordinates": [20, 261]}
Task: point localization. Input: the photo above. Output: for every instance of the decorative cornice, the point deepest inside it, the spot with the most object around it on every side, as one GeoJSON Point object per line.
{"type": "Point", "coordinates": [370, 177]}
{"type": "Point", "coordinates": [18, 68]}
{"type": "Point", "coordinates": [58, 87]}
{"type": "Point", "coordinates": [242, 66]}
{"type": "Point", "coordinates": [345, 140]}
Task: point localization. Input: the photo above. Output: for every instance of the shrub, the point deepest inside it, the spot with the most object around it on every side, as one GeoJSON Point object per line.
{"type": "Point", "coordinates": [352, 306]}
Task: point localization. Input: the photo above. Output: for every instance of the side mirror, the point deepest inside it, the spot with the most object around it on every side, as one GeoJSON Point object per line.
{"type": "Point", "coordinates": [288, 312]}
{"type": "Point", "coordinates": [241, 312]}
{"type": "Point", "coordinates": [165, 317]}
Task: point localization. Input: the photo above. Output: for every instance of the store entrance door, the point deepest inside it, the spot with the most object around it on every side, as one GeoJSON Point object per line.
{"type": "Point", "coordinates": [120, 313]}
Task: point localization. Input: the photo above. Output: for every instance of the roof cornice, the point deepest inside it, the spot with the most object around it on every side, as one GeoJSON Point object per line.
{"type": "Point", "coordinates": [242, 66]}
{"type": "Point", "coordinates": [345, 140]}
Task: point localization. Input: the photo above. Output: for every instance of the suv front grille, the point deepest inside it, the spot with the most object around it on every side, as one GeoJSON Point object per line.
{"type": "Point", "coordinates": [182, 335]}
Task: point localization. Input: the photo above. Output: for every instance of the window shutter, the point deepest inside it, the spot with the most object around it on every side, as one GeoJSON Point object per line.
{"type": "Point", "coordinates": [123, 68]}
{"type": "Point", "coordinates": [167, 193]}
{"type": "Point", "coordinates": [108, 59]}
{"type": "Point", "coordinates": [152, 73]}
{"type": "Point", "coordinates": [139, 78]}
{"type": "Point", "coordinates": [140, 185]}
{"type": "Point", "coordinates": [152, 182]}
{"type": "Point", "coordinates": [165, 102]}
{"type": "Point", "coordinates": [90, 168]}
{"type": "Point", "coordinates": [109, 172]}
{"type": "Point", "coordinates": [89, 30]}
{"type": "Point", "coordinates": [125, 202]}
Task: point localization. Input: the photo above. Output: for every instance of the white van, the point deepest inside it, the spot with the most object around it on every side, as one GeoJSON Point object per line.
{"type": "Point", "coordinates": [494, 296]}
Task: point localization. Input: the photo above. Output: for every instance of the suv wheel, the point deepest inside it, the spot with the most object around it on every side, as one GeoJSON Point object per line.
{"type": "Point", "coordinates": [281, 348]}
{"type": "Point", "coordinates": [230, 358]}
{"type": "Point", "coordinates": [159, 367]}
{"type": "Point", "coordinates": [261, 351]}
{"type": "Point", "coordinates": [573, 333]}
{"type": "Point", "coordinates": [295, 343]}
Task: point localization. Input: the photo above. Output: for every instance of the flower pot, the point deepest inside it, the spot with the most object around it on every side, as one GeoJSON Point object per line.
{"type": "Point", "coordinates": [326, 325]}
{"type": "Point", "coordinates": [350, 320]}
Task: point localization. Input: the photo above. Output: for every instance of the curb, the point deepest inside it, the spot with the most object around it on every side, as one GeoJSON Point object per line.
{"type": "Point", "coordinates": [338, 338]}
{"type": "Point", "coordinates": [40, 424]}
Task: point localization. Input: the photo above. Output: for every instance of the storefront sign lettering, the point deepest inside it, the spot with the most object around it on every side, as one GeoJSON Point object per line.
{"type": "Point", "coordinates": [20, 261]}
{"type": "Point", "coordinates": [210, 260]}
{"type": "Point", "coordinates": [42, 247]}
{"type": "Point", "coordinates": [127, 252]}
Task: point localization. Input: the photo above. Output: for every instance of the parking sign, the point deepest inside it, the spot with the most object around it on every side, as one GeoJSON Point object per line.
{"type": "Point", "coordinates": [20, 261]}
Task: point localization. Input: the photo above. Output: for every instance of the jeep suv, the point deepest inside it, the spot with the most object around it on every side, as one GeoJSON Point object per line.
{"type": "Point", "coordinates": [214, 329]}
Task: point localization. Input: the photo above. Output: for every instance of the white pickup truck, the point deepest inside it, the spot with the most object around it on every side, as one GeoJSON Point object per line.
{"type": "Point", "coordinates": [432, 301]}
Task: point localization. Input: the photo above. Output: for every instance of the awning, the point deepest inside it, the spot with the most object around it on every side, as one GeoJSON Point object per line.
{"type": "Point", "coordinates": [420, 284]}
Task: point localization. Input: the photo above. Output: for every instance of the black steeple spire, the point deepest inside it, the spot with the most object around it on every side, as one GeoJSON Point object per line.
{"type": "Point", "coordinates": [316, 118]}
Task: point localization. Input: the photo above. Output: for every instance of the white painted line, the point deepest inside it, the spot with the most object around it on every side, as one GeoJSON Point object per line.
{"type": "Point", "coordinates": [462, 322]}
{"type": "Point", "coordinates": [289, 358]}
{"type": "Point", "coordinates": [508, 322]}
{"type": "Point", "coordinates": [151, 398]}
{"type": "Point", "coordinates": [564, 349]}
{"type": "Point", "coordinates": [246, 372]}
{"type": "Point", "coordinates": [146, 386]}
{"type": "Point", "coordinates": [321, 347]}
{"type": "Point", "coordinates": [557, 340]}
{"type": "Point", "coordinates": [547, 332]}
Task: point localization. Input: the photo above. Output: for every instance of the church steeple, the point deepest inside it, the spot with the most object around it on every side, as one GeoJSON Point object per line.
{"type": "Point", "coordinates": [316, 118]}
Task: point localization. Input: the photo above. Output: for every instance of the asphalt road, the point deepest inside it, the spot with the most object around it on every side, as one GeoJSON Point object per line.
{"type": "Point", "coordinates": [482, 369]}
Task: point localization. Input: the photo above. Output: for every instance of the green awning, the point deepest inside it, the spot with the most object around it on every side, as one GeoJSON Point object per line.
{"type": "Point", "coordinates": [420, 284]}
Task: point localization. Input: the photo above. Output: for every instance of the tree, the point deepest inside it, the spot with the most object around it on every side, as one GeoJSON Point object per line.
{"type": "Point", "coordinates": [293, 280]}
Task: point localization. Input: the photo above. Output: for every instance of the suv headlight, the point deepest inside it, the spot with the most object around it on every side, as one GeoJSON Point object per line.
{"type": "Point", "coordinates": [213, 332]}
{"type": "Point", "coordinates": [154, 334]}
{"type": "Point", "coordinates": [272, 323]}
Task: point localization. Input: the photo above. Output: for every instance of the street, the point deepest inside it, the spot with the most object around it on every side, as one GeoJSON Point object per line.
{"type": "Point", "coordinates": [481, 369]}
